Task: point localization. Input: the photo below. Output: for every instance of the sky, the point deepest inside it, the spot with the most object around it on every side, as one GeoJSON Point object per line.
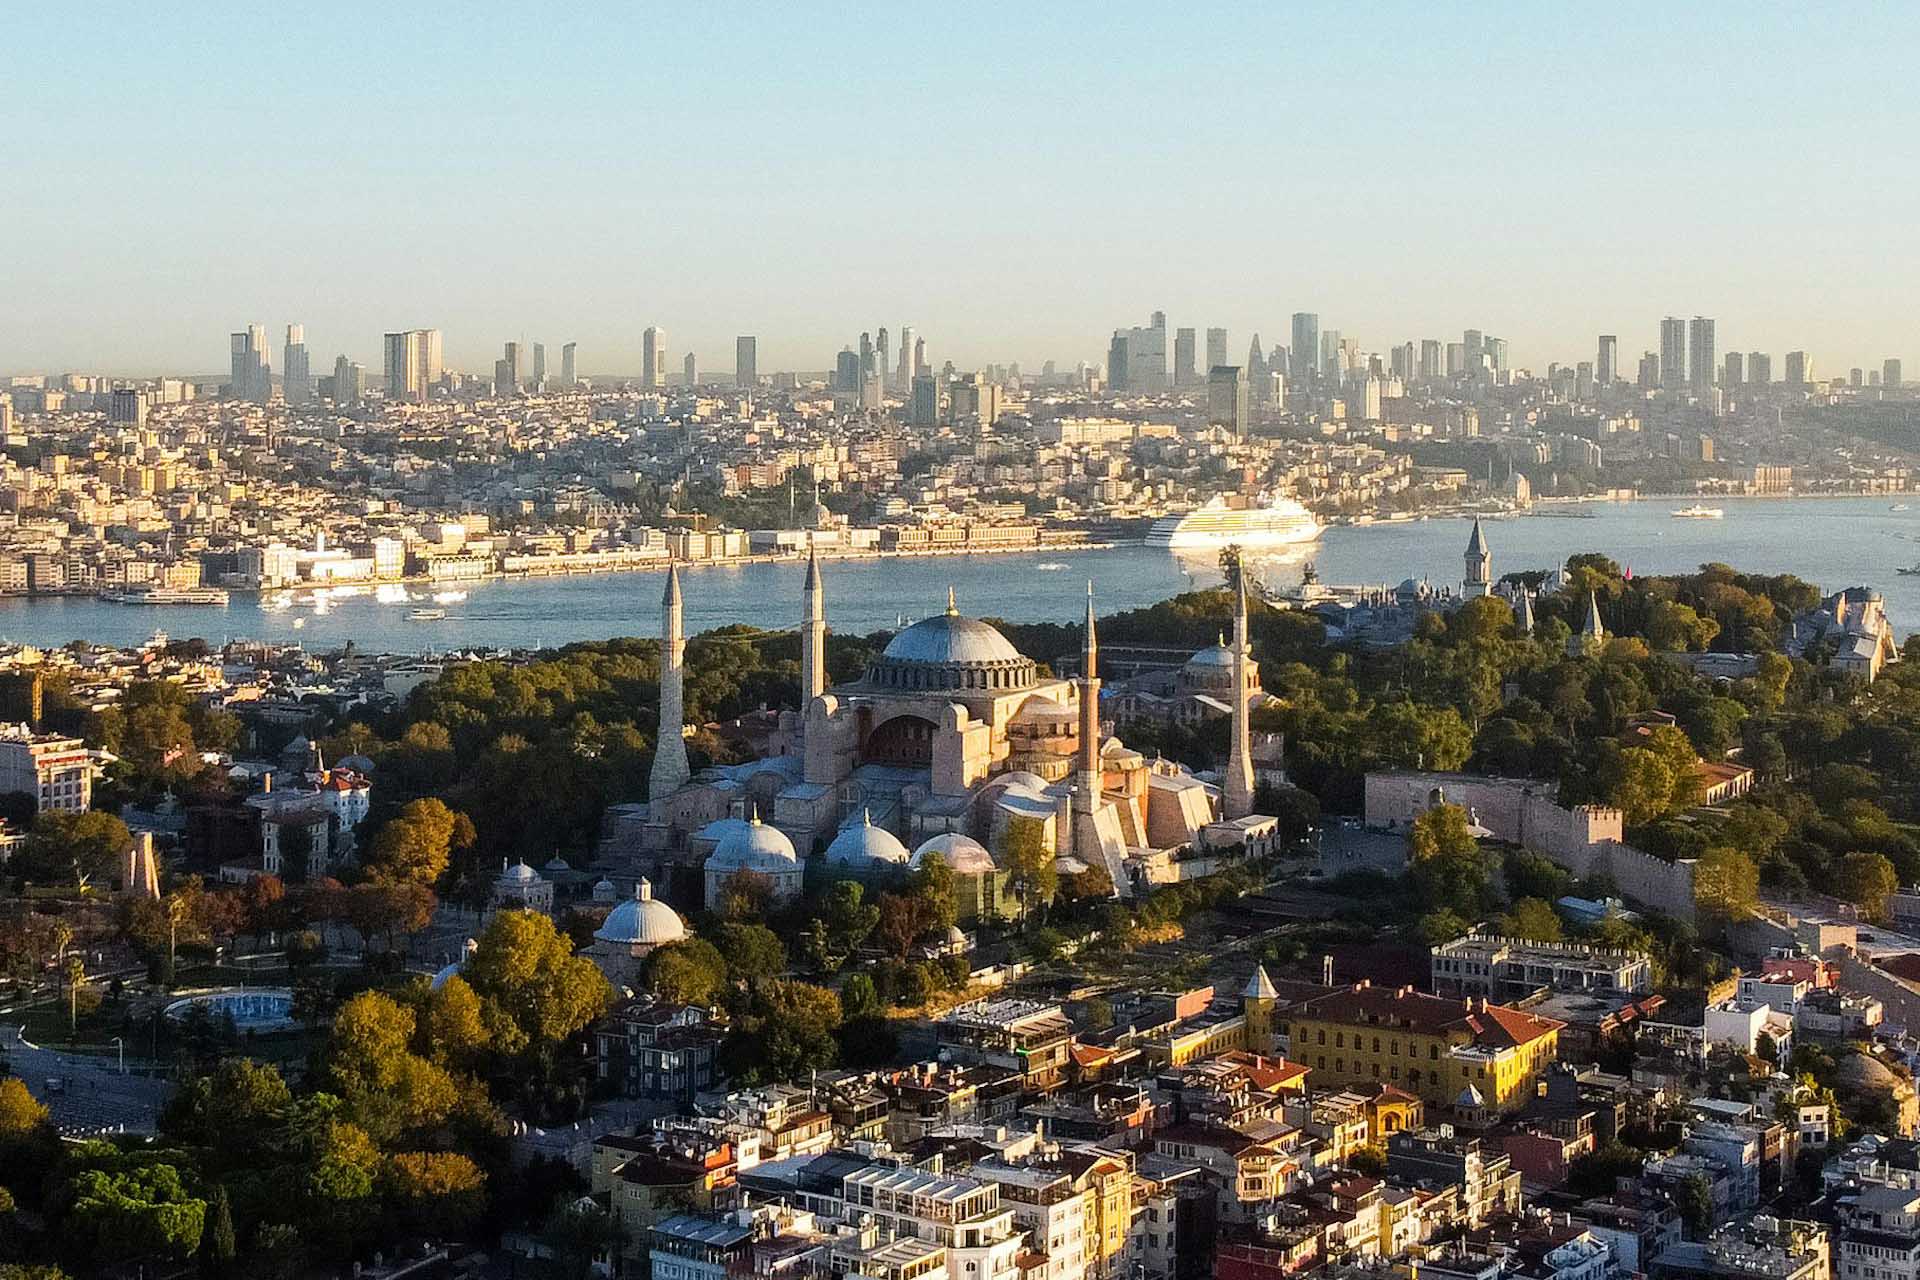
{"type": "Point", "coordinates": [1013, 181]}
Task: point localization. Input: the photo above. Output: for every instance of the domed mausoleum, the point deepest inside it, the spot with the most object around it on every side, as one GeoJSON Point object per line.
{"type": "Point", "coordinates": [633, 931]}
{"type": "Point", "coordinates": [760, 850]}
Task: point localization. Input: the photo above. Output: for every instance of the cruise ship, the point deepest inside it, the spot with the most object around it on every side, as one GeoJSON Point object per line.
{"type": "Point", "coordinates": [166, 595]}
{"type": "Point", "coordinates": [1237, 521]}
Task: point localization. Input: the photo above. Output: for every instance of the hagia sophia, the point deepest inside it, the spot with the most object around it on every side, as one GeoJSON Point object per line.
{"type": "Point", "coordinates": [950, 739]}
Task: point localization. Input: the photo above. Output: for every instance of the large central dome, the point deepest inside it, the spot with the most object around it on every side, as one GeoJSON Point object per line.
{"type": "Point", "coordinates": [948, 651]}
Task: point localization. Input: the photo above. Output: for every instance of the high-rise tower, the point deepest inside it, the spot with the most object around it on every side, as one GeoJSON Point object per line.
{"type": "Point", "coordinates": [1673, 353]}
{"type": "Point", "coordinates": [653, 358]}
{"type": "Point", "coordinates": [296, 369]}
{"type": "Point", "coordinates": [813, 634]}
{"type": "Point", "coordinates": [1700, 354]}
{"type": "Point", "coordinates": [1479, 579]}
{"type": "Point", "coordinates": [1236, 790]}
{"type": "Point", "coordinates": [670, 767]}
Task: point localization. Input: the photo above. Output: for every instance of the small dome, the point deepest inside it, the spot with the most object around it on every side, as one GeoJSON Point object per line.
{"type": "Point", "coordinates": [956, 936]}
{"type": "Point", "coordinates": [963, 854]}
{"type": "Point", "coordinates": [1022, 780]}
{"type": "Point", "coordinates": [1042, 710]}
{"type": "Point", "coordinates": [1469, 1099]}
{"type": "Point", "coordinates": [861, 844]}
{"type": "Point", "coordinates": [355, 763]}
{"type": "Point", "coordinates": [604, 891]}
{"type": "Point", "coordinates": [642, 920]}
{"type": "Point", "coordinates": [755, 847]}
{"type": "Point", "coordinates": [558, 864]}
{"type": "Point", "coordinates": [1218, 655]}
{"type": "Point", "coordinates": [518, 873]}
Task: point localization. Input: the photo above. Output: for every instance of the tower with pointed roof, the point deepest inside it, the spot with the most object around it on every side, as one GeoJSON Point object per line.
{"type": "Point", "coordinates": [670, 767]}
{"type": "Point", "coordinates": [813, 634]}
{"type": "Point", "coordinates": [1526, 612]}
{"type": "Point", "coordinates": [1256, 1004]}
{"type": "Point", "coordinates": [1479, 579]}
{"type": "Point", "coordinates": [1236, 790]}
{"type": "Point", "coordinates": [1593, 633]}
{"type": "Point", "coordinates": [1087, 770]}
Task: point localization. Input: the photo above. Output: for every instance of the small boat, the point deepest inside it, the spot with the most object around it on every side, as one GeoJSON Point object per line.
{"type": "Point", "coordinates": [1911, 571]}
{"type": "Point", "coordinates": [1698, 512]}
{"type": "Point", "coordinates": [425, 615]}
{"type": "Point", "coordinates": [1052, 566]}
{"type": "Point", "coordinates": [449, 597]}
{"type": "Point", "coordinates": [1898, 506]}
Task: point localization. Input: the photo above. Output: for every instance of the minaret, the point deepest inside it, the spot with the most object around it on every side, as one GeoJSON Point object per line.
{"type": "Point", "coordinates": [813, 635]}
{"type": "Point", "coordinates": [1526, 612]}
{"type": "Point", "coordinates": [1236, 792]}
{"type": "Point", "coordinates": [1593, 633]}
{"type": "Point", "coordinates": [1479, 580]}
{"type": "Point", "coordinates": [670, 768]}
{"type": "Point", "coordinates": [1086, 791]}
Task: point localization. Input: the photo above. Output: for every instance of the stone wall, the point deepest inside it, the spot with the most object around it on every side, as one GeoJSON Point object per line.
{"type": "Point", "coordinates": [1585, 840]}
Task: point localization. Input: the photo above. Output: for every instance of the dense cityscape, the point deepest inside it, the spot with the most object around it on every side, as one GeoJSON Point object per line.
{"type": "Point", "coordinates": [1047, 642]}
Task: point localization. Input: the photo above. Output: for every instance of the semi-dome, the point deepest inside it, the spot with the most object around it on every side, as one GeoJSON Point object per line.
{"type": "Point", "coordinates": [642, 920]}
{"type": "Point", "coordinates": [948, 651]}
{"type": "Point", "coordinates": [1042, 710]}
{"type": "Point", "coordinates": [963, 854]}
{"type": "Point", "coordinates": [755, 846]}
{"type": "Point", "coordinates": [861, 845]}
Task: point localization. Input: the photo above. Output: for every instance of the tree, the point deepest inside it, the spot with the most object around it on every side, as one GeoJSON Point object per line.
{"type": "Point", "coordinates": [786, 1031]}
{"type": "Point", "coordinates": [579, 1233]}
{"type": "Point", "coordinates": [416, 844]}
{"type": "Point", "coordinates": [1726, 885]}
{"type": "Point", "coordinates": [858, 997]}
{"type": "Point", "coordinates": [536, 990]}
{"type": "Point", "coordinates": [754, 952]}
{"type": "Point", "coordinates": [388, 1088]}
{"type": "Point", "coordinates": [21, 1114]}
{"type": "Point", "coordinates": [1642, 787]}
{"type": "Point", "coordinates": [1030, 863]}
{"type": "Point", "coordinates": [1693, 1197]}
{"type": "Point", "coordinates": [1532, 919]}
{"type": "Point", "coordinates": [904, 920]}
{"type": "Point", "coordinates": [453, 1025]}
{"type": "Point", "coordinates": [688, 972]}
{"type": "Point", "coordinates": [1448, 867]}
{"type": "Point", "coordinates": [1595, 1173]}
{"type": "Point", "coordinates": [1867, 880]}
{"type": "Point", "coordinates": [218, 1249]}
{"type": "Point", "coordinates": [111, 1215]}
{"type": "Point", "coordinates": [1676, 627]}
{"type": "Point", "coordinates": [932, 886]}
{"type": "Point", "coordinates": [72, 847]}
{"type": "Point", "coordinates": [233, 1113]}
{"type": "Point", "coordinates": [846, 921]}
{"type": "Point", "coordinates": [438, 1193]}
{"type": "Point", "coordinates": [1437, 928]}
{"type": "Point", "coordinates": [1408, 735]}
{"type": "Point", "coordinates": [745, 896]}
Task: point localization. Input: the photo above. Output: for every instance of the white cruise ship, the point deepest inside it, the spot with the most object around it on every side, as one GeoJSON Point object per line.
{"type": "Point", "coordinates": [1237, 521]}
{"type": "Point", "coordinates": [166, 595]}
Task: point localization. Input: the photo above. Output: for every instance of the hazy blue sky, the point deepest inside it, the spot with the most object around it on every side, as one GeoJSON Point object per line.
{"type": "Point", "coordinates": [1014, 181]}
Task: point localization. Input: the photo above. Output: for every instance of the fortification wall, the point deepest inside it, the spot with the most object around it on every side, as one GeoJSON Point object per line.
{"type": "Point", "coordinates": [1585, 840]}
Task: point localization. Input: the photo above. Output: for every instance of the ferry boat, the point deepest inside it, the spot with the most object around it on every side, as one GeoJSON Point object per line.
{"type": "Point", "coordinates": [166, 595]}
{"type": "Point", "coordinates": [1237, 521]}
{"type": "Point", "coordinates": [425, 615]}
{"type": "Point", "coordinates": [1698, 512]}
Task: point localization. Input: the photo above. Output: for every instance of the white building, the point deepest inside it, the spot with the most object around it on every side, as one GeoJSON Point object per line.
{"type": "Point", "coordinates": [57, 771]}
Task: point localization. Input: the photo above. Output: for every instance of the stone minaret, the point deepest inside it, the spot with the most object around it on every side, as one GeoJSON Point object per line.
{"type": "Point", "coordinates": [1479, 579]}
{"type": "Point", "coordinates": [670, 768]}
{"type": "Point", "coordinates": [1087, 785]}
{"type": "Point", "coordinates": [813, 635]}
{"type": "Point", "coordinates": [1236, 792]}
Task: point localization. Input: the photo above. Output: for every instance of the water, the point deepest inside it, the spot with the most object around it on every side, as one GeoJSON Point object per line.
{"type": "Point", "coordinates": [1834, 542]}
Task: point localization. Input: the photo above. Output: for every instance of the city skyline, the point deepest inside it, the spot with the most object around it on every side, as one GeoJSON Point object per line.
{"type": "Point", "coordinates": [1449, 225]}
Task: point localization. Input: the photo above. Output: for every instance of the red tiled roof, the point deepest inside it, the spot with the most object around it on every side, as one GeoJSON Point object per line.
{"type": "Point", "coordinates": [1491, 1025]}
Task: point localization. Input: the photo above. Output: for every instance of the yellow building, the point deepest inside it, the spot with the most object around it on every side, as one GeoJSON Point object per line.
{"type": "Point", "coordinates": [1446, 1052]}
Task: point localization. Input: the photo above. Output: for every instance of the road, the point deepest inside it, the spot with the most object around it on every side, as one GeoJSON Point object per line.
{"type": "Point", "coordinates": [90, 1096]}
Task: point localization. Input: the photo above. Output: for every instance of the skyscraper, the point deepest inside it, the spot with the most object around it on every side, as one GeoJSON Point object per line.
{"type": "Point", "coordinates": [1733, 370]}
{"type": "Point", "coordinates": [1890, 374]}
{"type": "Point", "coordinates": [919, 356]}
{"type": "Point", "coordinates": [1227, 398]}
{"type": "Point", "coordinates": [296, 373]}
{"type": "Point", "coordinates": [1216, 347]}
{"type": "Point", "coordinates": [846, 372]}
{"type": "Point", "coordinates": [506, 371]}
{"type": "Point", "coordinates": [348, 382]}
{"type": "Point", "coordinates": [1700, 357]}
{"type": "Point", "coordinates": [1183, 358]}
{"type": "Point", "coordinates": [1606, 366]}
{"type": "Point", "coordinates": [567, 369]}
{"type": "Point", "coordinates": [1799, 369]}
{"type": "Point", "coordinates": [1258, 383]}
{"type": "Point", "coordinates": [690, 371]}
{"type": "Point", "coordinates": [904, 377]}
{"type": "Point", "coordinates": [1117, 355]}
{"type": "Point", "coordinates": [539, 366]}
{"type": "Point", "coordinates": [252, 376]}
{"type": "Point", "coordinates": [653, 358]}
{"type": "Point", "coordinates": [924, 409]}
{"type": "Point", "coordinates": [1304, 350]}
{"type": "Point", "coordinates": [1759, 368]}
{"type": "Point", "coordinates": [1673, 353]}
{"type": "Point", "coordinates": [1432, 361]}
{"type": "Point", "coordinates": [882, 366]}
{"type": "Point", "coordinates": [746, 360]}
{"type": "Point", "coordinates": [412, 363]}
